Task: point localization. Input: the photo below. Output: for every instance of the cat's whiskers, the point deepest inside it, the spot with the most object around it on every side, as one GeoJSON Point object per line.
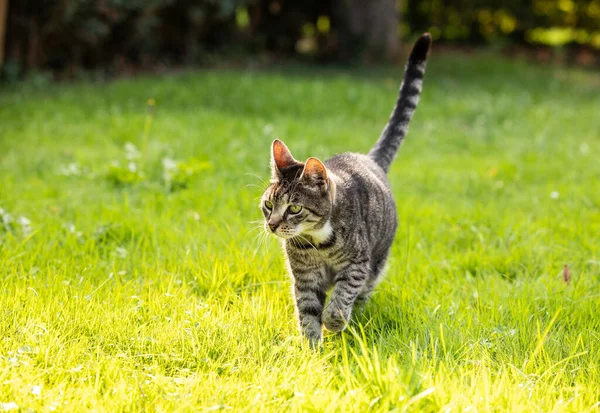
{"type": "Point", "coordinates": [255, 225]}
{"type": "Point", "coordinates": [295, 242]}
{"type": "Point", "coordinates": [260, 236]}
{"type": "Point", "coordinates": [306, 240]}
{"type": "Point", "coordinates": [254, 185]}
{"type": "Point", "coordinates": [262, 187]}
{"type": "Point", "coordinates": [259, 239]}
{"type": "Point", "coordinates": [252, 230]}
{"type": "Point", "coordinates": [262, 180]}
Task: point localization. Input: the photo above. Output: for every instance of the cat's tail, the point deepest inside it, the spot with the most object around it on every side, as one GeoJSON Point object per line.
{"type": "Point", "coordinates": [393, 134]}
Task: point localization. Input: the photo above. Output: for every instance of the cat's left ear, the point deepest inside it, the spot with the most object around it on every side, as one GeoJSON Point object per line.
{"type": "Point", "coordinates": [315, 173]}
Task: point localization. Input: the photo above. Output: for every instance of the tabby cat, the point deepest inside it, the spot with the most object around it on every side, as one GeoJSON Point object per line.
{"type": "Point", "coordinates": [337, 218]}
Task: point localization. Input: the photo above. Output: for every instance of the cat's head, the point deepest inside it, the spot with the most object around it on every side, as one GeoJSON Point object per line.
{"type": "Point", "coordinates": [300, 198]}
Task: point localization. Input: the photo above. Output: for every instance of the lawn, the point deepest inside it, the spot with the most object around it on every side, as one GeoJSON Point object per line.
{"type": "Point", "coordinates": [135, 275]}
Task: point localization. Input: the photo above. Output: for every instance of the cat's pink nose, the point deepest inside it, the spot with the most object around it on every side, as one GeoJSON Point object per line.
{"type": "Point", "coordinates": [273, 226]}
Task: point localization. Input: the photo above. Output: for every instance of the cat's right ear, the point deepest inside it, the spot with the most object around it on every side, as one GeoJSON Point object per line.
{"type": "Point", "coordinates": [281, 158]}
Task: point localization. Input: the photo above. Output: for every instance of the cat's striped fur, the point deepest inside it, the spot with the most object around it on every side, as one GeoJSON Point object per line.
{"type": "Point", "coordinates": [338, 218]}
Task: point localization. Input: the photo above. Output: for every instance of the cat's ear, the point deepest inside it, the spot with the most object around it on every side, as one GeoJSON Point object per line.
{"type": "Point", "coordinates": [315, 173]}
{"type": "Point", "coordinates": [281, 157]}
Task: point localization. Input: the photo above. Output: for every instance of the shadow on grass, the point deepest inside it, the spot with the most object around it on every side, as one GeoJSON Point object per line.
{"type": "Point", "coordinates": [376, 325]}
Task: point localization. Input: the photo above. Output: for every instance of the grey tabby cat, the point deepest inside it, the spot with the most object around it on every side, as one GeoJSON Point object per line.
{"type": "Point", "coordinates": [338, 218]}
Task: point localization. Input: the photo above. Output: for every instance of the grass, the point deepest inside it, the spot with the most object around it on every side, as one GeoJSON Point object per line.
{"type": "Point", "coordinates": [132, 280]}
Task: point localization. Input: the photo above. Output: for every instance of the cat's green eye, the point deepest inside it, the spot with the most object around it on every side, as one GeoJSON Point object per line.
{"type": "Point", "coordinates": [268, 205]}
{"type": "Point", "coordinates": [294, 209]}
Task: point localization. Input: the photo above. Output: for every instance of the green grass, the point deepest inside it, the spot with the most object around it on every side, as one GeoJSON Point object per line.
{"type": "Point", "coordinates": [123, 291]}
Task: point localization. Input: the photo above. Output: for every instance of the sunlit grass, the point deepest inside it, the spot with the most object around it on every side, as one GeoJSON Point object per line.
{"type": "Point", "coordinates": [135, 278]}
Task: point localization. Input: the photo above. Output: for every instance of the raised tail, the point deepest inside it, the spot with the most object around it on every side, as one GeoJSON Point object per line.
{"type": "Point", "coordinates": [393, 134]}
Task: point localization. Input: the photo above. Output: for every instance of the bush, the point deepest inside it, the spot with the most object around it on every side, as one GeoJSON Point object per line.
{"type": "Point", "coordinates": [124, 35]}
{"type": "Point", "coordinates": [66, 35]}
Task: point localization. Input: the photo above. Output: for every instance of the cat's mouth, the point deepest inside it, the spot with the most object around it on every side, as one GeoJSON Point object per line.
{"type": "Point", "coordinates": [284, 234]}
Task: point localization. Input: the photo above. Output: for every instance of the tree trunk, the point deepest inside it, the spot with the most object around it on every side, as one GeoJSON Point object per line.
{"type": "Point", "coordinates": [3, 22]}
{"type": "Point", "coordinates": [370, 29]}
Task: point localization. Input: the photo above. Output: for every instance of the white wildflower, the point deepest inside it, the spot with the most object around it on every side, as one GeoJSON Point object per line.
{"type": "Point", "coordinates": [5, 407]}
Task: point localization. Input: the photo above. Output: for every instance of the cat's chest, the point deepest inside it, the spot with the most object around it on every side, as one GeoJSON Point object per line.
{"type": "Point", "coordinates": [333, 259]}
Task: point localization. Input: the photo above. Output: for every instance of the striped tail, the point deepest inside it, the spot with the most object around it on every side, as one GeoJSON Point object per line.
{"type": "Point", "coordinates": [393, 134]}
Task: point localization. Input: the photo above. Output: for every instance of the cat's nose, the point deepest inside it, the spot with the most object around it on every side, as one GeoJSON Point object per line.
{"type": "Point", "coordinates": [273, 226]}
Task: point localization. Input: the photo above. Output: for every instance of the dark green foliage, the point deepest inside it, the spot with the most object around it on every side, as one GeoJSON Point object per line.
{"type": "Point", "coordinates": [69, 34]}
{"type": "Point", "coordinates": [120, 36]}
{"type": "Point", "coordinates": [514, 20]}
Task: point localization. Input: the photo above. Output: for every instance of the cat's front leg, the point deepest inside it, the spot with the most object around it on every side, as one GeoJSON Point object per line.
{"type": "Point", "coordinates": [348, 284]}
{"type": "Point", "coordinates": [310, 296]}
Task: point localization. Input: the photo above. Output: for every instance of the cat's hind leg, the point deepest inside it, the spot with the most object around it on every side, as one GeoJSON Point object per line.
{"type": "Point", "coordinates": [377, 270]}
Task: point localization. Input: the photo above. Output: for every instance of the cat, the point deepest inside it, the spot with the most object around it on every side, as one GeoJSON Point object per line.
{"type": "Point", "coordinates": [337, 219]}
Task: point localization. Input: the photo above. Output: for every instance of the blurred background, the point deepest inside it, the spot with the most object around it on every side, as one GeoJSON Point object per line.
{"type": "Point", "coordinates": [64, 38]}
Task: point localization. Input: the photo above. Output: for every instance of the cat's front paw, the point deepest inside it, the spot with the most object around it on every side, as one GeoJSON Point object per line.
{"type": "Point", "coordinates": [335, 319]}
{"type": "Point", "coordinates": [314, 337]}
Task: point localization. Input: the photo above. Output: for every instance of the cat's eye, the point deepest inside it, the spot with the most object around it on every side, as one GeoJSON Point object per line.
{"type": "Point", "coordinates": [268, 205]}
{"type": "Point", "coordinates": [294, 209]}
